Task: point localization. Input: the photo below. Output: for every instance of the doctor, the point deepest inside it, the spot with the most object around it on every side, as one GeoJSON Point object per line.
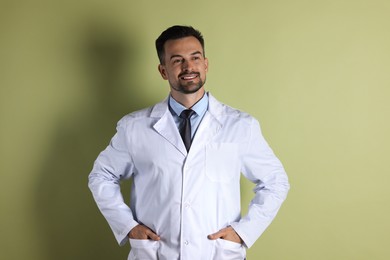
{"type": "Point", "coordinates": [185, 156]}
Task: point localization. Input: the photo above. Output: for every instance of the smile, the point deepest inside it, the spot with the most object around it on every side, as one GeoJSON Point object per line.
{"type": "Point", "coordinates": [189, 76]}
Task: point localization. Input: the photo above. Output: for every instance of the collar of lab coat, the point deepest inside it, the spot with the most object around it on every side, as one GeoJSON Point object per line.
{"type": "Point", "coordinates": [207, 129]}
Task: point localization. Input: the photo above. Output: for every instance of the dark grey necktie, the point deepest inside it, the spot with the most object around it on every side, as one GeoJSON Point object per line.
{"type": "Point", "coordinates": [185, 131]}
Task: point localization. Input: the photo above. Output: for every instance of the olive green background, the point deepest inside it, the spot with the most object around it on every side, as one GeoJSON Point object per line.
{"type": "Point", "coordinates": [315, 73]}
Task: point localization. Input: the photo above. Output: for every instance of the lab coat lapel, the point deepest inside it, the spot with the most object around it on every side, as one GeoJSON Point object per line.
{"type": "Point", "coordinates": [210, 125]}
{"type": "Point", "coordinates": [166, 127]}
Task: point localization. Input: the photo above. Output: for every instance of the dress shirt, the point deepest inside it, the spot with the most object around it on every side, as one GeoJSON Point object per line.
{"type": "Point", "coordinates": [200, 109]}
{"type": "Point", "coordinates": [185, 196]}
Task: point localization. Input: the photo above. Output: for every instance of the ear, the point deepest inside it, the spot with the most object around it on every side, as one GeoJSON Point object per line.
{"type": "Point", "coordinates": [206, 64]}
{"type": "Point", "coordinates": [163, 72]}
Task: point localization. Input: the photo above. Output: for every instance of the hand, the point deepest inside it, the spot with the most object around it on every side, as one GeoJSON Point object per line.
{"type": "Point", "coordinates": [143, 232]}
{"type": "Point", "coordinates": [227, 233]}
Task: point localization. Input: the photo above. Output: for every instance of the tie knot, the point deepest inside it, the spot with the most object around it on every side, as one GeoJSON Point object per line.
{"type": "Point", "coordinates": [186, 114]}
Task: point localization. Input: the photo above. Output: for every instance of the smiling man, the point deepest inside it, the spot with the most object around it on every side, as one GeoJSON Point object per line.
{"type": "Point", "coordinates": [185, 156]}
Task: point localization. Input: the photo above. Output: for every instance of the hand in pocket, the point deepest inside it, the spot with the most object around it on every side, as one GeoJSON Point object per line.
{"type": "Point", "coordinates": [227, 233]}
{"type": "Point", "coordinates": [143, 232]}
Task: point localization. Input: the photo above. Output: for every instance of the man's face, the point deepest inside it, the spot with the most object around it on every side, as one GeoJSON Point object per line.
{"type": "Point", "coordinates": [184, 65]}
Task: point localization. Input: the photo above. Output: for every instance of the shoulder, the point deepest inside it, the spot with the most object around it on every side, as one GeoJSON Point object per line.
{"type": "Point", "coordinates": [225, 112]}
{"type": "Point", "coordinates": [144, 115]}
{"type": "Point", "coordinates": [135, 116]}
{"type": "Point", "coordinates": [156, 110]}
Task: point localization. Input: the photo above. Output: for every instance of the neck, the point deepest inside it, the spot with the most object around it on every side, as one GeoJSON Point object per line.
{"type": "Point", "coordinates": [188, 100]}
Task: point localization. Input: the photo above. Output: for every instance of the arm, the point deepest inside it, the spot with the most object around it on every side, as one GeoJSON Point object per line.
{"type": "Point", "coordinates": [261, 166]}
{"type": "Point", "coordinates": [112, 166]}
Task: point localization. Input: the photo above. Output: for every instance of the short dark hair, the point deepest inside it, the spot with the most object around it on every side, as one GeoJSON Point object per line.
{"type": "Point", "coordinates": [173, 33]}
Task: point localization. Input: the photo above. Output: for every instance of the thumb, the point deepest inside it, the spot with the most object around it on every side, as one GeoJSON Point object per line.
{"type": "Point", "coordinates": [216, 235]}
{"type": "Point", "coordinates": [153, 236]}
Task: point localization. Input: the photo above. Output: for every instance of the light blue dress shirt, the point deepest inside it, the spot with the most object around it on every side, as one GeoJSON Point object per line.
{"type": "Point", "coordinates": [200, 109]}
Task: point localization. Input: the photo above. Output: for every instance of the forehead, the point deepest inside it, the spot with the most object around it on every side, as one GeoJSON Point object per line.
{"type": "Point", "coordinates": [182, 46]}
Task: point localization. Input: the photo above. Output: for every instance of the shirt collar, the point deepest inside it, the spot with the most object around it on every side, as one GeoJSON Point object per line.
{"type": "Point", "coordinates": [199, 107]}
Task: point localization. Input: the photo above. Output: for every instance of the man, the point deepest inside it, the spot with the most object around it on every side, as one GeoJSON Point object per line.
{"type": "Point", "coordinates": [185, 156]}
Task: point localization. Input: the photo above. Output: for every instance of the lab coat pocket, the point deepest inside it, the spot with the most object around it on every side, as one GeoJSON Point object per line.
{"type": "Point", "coordinates": [228, 250]}
{"type": "Point", "coordinates": [143, 249]}
{"type": "Point", "coordinates": [222, 162]}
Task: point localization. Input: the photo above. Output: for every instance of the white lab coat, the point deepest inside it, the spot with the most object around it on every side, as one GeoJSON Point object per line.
{"type": "Point", "coordinates": [185, 197]}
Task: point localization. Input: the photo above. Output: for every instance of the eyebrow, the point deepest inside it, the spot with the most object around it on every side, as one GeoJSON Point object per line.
{"type": "Point", "coordinates": [179, 56]}
{"type": "Point", "coordinates": [196, 52]}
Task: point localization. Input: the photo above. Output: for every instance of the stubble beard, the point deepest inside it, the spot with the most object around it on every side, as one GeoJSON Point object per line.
{"type": "Point", "coordinates": [189, 88]}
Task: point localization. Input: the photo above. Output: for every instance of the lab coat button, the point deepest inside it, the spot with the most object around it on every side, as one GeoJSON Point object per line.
{"type": "Point", "coordinates": [187, 205]}
{"type": "Point", "coordinates": [186, 243]}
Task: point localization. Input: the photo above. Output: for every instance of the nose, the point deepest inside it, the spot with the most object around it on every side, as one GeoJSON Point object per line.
{"type": "Point", "coordinates": [187, 65]}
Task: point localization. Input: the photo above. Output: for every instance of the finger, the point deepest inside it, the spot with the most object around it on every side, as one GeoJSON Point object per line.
{"type": "Point", "coordinates": [217, 235]}
{"type": "Point", "coordinates": [142, 232]}
{"type": "Point", "coordinates": [152, 235]}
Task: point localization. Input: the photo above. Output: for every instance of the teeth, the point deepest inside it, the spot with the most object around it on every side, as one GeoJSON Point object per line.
{"type": "Point", "coordinates": [189, 77]}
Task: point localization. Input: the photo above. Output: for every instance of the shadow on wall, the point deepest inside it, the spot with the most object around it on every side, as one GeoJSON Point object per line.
{"type": "Point", "coordinates": [67, 216]}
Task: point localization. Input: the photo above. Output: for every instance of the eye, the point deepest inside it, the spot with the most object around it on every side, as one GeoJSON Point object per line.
{"type": "Point", "coordinates": [176, 61]}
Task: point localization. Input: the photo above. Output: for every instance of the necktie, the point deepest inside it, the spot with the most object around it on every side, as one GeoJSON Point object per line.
{"type": "Point", "coordinates": [185, 131]}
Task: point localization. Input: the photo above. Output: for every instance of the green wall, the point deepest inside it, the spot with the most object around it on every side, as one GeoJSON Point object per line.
{"type": "Point", "coordinates": [315, 73]}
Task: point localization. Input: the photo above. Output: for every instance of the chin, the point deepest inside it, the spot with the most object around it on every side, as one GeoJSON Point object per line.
{"type": "Point", "coordinates": [191, 90]}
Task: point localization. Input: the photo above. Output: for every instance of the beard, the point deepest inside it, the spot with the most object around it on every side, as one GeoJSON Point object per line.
{"type": "Point", "coordinates": [189, 87]}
